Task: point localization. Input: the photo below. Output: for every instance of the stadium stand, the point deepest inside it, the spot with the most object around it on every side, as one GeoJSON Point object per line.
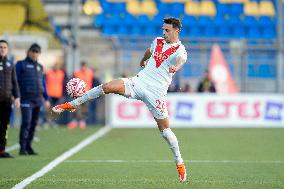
{"type": "Point", "coordinates": [131, 25]}
{"type": "Point", "coordinates": [207, 8]}
{"type": "Point", "coordinates": [192, 8]}
{"type": "Point", "coordinates": [214, 20]}
{"type": "Point", "coordinates": [16, 14]}
{"type": "Point", "coordinates": [233, 19]}
{"type": "Point", "coordinates": [266, 8]}
{"type": "Point", "coordinates": [26, 17]}
{"type": "Point", "coordinates": [148, 7]}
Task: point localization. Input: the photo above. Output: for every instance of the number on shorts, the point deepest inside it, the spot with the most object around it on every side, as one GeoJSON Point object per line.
{"type": "Point", "coordinates": [161, 105]}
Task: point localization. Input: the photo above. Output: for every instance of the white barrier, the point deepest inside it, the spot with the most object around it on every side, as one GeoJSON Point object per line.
{"type": "Point", "coordinates": [202, 110]}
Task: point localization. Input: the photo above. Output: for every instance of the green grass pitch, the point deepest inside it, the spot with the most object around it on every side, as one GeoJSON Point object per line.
{"type": "Point", "coordinates": [140, 158]}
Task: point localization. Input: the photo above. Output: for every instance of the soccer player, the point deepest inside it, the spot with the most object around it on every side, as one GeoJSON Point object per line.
{"type": "Point", "coordinates": [160, 62]}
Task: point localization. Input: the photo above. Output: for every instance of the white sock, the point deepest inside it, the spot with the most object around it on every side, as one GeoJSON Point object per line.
{"type": "Point", "coordinates": [171, 139]}
{"type": "Point", "coordinates": [91, 94]}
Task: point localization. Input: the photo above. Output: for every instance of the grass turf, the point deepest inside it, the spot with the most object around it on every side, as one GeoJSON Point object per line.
{"type": "Point", "coordinates": [142, 147]}
{"type": "Point", "coordinates": [52, 143]}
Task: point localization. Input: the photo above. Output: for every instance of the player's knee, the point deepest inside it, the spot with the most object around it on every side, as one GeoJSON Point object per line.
{"type": "Point", "coordinates": [162, 126]}
{"type": "Point", "coordinates": [116, 87]}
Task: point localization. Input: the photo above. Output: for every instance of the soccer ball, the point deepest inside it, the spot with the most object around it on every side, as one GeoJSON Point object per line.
{"type": "Point", "coordinates": [76, 87]}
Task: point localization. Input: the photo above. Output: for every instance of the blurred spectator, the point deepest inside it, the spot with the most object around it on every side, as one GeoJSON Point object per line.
{"type": "Point", "coordinates": [186, 88]}
{"type": "Point", "coordinates": [8, 89]}
{"type": "Point", "coordinates": [206, 85]}
{"type": "Point", "coordinates": [55, 84]}
{"type": "Point", "coordinates": [173, 88]}
{"type": "Point", "coordinates": [32, 88]}
{"type": "Point", "coordinates": [93, 104]}
{"type": "Point", "coordinates": [55, 80]}
{"type": "Point", "coordinates": [80, 116]}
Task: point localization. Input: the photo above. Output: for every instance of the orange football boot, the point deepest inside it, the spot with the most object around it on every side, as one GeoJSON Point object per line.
{"type": "Point", "coordinates": [181, 172]}
{"type": "Point", "coordinates": [63, 107]}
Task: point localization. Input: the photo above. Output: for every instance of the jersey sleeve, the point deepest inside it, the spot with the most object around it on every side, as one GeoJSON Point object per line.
{"type": "Point", "coordinates": [182, 53]}
{"type": "Point", "coordinates": [153, 44]}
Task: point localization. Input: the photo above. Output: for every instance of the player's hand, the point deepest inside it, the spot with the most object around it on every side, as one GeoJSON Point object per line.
{"type": "Point", "coordinates": [17, 103]}
{"type": "Point", "coordinates": [172, 69]}
{"type": "Point", "coordinates": [143, 64]}
{"type": "Point", "coordinates": [47, 104]}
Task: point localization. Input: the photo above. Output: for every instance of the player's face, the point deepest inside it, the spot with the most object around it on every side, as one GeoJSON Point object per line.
{"type": "Point", "coordinates": [3, 49]}
{"type": "Point", "coordinates": [170, 33]}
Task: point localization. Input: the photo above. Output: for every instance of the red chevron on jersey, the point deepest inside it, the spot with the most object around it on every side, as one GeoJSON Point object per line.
{"type": "Point", "coordinates": [160, 56]}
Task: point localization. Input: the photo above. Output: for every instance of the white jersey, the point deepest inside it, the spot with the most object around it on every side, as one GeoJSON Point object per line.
{"type": "Point", "coordinates": [156, 74]}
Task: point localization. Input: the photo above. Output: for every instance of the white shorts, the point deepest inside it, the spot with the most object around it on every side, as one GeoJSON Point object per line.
{"type": "Point", "coordinates": [156, 103]}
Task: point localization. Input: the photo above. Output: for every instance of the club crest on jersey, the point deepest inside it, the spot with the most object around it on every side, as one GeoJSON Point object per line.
{"type": "Point", "coordinates": [160, 56]}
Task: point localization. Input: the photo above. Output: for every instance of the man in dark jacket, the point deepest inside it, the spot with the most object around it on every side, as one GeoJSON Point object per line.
{"type": "Point", "coordinates": [206, 85]}
{"type": "Point", "coordinates": [8, 89]}
{"type": "Point", "coordinates": [32, 88]}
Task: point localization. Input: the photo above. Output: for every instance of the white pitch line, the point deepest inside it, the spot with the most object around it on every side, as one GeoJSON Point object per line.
{"type": "Point", "coordinates": [62, 157]}
{"type": "Point", "coordinates": [189, 161]}
{"type": "Point", "coordinates": [12, 148]}
{"type": "Point", "coordinates": [17, 146]}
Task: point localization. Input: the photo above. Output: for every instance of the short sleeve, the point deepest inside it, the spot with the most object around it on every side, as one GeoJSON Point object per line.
{"type": "Point", "coordinates": [153, 44]}
{"type": "Point", "coordinates": [183, 54]}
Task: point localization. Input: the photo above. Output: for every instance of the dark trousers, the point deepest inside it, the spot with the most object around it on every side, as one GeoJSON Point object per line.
{"type": "Point", "coordinates": [92, 115]}
{"type": "Point", "coordinates": [5, 111]}
{"type": "Point", "coordinates": [81, 113]}
{"type": "Point", "coordinates": [54, 101]}
{"type": "Point", "coordinates": [30, 117]}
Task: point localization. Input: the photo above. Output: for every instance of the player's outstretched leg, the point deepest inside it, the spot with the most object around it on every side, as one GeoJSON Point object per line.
{"type": "Point", "coordinates": [172, 141]}
{"type": "Point", "coordinates": [71, 106]}
{"type": "Point", "coordinates": [115, 86]}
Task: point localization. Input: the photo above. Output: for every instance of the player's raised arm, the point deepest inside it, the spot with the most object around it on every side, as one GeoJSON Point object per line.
{"type": "Point", "coordinates": [179, 63]}
{"type": "Point", "coordinates": [146, 56]}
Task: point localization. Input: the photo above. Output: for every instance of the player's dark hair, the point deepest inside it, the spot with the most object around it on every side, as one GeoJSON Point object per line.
{"type": "Point", "coordinates": [173, 21]}
{"type": "Point", "coordinates": [3, 41]}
